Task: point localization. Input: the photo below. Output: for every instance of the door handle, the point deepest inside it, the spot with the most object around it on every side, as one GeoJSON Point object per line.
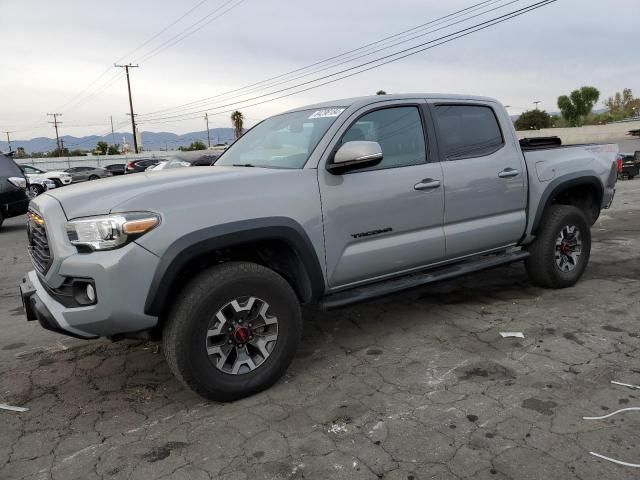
{"type": "Point", "coordinates": [427, 184]}
{"type": "Point", "coordinates": [509, 172]}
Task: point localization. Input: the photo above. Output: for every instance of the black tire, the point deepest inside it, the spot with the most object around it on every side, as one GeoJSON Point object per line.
{"type": "Point", "coordinates": [542, 267]}
{"type": "Point", "coordinates": [631, 177]}
{"type": "Point", "coordinates": [185, 333]}
{"type": "Point", "coordinates": [1, 219]}
{"type": "Point", "coordinates": [94, 177]}
{"type": "Point", "coordinates": [57, 182]}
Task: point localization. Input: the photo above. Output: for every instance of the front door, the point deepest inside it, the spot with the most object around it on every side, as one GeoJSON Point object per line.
{"type": "Point", "coordinates": [485, 195]}
{"type": "Point", "coordinates": [386, 219]}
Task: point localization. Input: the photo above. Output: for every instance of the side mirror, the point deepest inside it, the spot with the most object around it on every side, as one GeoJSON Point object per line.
{"type": "Point", "coordinates": [355, 155]}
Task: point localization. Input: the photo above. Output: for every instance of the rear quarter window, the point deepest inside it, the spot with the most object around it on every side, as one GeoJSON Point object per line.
{"type": "Point", "coordinates": [8, 167]}
{"type": "Point", "coordinates": [468, 131]}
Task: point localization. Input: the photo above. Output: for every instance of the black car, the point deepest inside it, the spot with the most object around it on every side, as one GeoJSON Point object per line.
{"type": "Point", "coordinates": [135, 166]}
{"type": "Point", "coordinates": [116, 168]}
{"type": "Point", "coordinates": [627, 166]}
{"type": "Point", "coordinates": [14, 200]}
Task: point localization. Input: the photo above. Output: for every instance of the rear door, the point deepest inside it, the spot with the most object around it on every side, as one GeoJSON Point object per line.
{"type": "Point", "coordinates": [484, 172]}
{"type": "Point", "coordinates": [386, 219]}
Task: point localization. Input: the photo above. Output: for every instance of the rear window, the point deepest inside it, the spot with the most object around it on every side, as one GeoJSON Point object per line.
{"type": "Point", "coordinates": [468, 131]}
{"type": "Point", "coordinates": [8, 167]}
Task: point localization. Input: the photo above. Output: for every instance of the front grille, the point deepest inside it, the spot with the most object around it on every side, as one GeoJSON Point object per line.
{"type": "Point", "coordinates": [38, 242]}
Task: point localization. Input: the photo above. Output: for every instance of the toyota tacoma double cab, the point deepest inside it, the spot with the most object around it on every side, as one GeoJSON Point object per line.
{"type": "Point", "coordinates": [330, 204]}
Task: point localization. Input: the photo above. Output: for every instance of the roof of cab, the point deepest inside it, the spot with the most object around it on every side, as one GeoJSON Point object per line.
{"type": "Point", "coordinates": [370, 99]}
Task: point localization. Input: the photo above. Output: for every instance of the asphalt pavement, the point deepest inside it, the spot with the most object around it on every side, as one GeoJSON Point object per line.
{"type": "Point", "coordinates": [416, 386]}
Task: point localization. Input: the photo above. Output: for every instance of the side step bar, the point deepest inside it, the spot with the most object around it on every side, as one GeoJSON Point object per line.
{"type": "Point", "coordinates": [387, 287]}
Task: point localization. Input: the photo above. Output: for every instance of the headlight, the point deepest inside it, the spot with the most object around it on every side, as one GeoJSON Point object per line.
{"type": "Point", "coordinates": [110, 231]}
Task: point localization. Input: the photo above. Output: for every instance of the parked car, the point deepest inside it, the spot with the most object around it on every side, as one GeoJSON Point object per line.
{"type": "Point", "coordinates": [38, 185]}
{"type": "Point", "coordinates": [58, 177]}
{"type": "Point", "coordinates": [330, 204]}
{"type": "Point", "coordinates": [14, 200]}
{"type": "Point", "coordinates": [83, 174]}
{"type": "Point", "coordinates": [136, 166]}
{"type": "Point", "coordinates": [116, 168]}
{"type": "Point", "coordinates": [187, 159]}
{"type": "Point", "coordinates": [627, 166]}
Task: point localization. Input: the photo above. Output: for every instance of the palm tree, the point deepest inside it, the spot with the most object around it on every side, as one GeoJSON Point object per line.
{"type": "Point", "coordinates": [236, 120]}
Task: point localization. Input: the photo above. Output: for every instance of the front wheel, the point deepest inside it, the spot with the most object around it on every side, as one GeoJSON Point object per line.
{"type": "Point", "coordinates": [560, 252]}
{"type": "Point", "coordinates": [233, 331]}
{"type": "Point", "coordinates": [94, 177]}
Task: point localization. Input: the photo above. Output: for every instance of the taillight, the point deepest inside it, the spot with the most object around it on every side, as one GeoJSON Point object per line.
{"type": "Point", "coordinates": [131, 165]}
{"type": "Point", "coordinates": [19, 182]}
{"type": "Point", "coordinates": [619, 165]}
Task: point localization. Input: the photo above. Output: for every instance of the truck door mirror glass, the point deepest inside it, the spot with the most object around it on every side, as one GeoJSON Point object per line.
{"type": "Point", "coordinates": [355, 155]}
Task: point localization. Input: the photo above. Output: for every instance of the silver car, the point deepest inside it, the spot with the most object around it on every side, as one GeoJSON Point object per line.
{"type": "Point", "coordinates": [82, 174]}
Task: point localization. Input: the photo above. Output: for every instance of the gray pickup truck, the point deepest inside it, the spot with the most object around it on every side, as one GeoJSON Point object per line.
{"type": "Point", "coordinates": [330, 204]}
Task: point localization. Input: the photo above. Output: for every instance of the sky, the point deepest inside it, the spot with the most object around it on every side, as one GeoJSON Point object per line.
{"type": "Point", "coordinates": [53, 51]}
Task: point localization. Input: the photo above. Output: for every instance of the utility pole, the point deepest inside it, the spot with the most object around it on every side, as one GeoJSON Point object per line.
{"type": "Point", "coordinates": [113, 135]}
{"type": "Point", "coordinates": [56, 122]}
{"type": "Point", "coordinates": [8, 140]}
{"type": "Point", "coordinates": [206, 119]}
{"type": "Point", "coordinates": [133, 117]}
{"type": "Point", "coordinates": [536, 103]}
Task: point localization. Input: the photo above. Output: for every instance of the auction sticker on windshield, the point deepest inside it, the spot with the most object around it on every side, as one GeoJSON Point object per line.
{"type": "Point", "coordinates": [326, 113]}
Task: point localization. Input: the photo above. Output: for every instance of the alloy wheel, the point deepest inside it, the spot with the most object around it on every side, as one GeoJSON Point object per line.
{"type": "Point", "coordinates": [242, 335]}
{"type": "Point", "coordinates": [568, 248]}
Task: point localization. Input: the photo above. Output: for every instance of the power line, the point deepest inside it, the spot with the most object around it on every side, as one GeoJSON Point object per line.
{"type": "Point", "coordinates": [152, 38]}
{"type": "Point", "coordinates": [455, 14]}
{"type": "Point", "coordinates": [408, 52]}
{"type": "Point", "coordinates": [405, 53]}
{"type": "Point", "coordinates": [173, 40]}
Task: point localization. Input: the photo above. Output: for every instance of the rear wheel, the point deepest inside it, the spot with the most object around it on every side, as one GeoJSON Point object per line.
{"type": "Point", "coordinates": [560, 252]}
{"type": "Point", "coordinates": [1, 219]}
{"type": "Point", "coordinates": [35, 190]}
{"type": "Point", "coordinates": [233, 332]}
{"type": "Point", "coordinates": [94, 177]}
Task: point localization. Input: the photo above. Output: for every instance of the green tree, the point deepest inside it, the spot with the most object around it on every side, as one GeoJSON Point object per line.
{"type": "Point", "coordinates": [197, 145]}
{"type": "Point", "coordinates": [20, 153]}
{"type": "Point", "coordinates": [102, 147]}
{"type": "Point", "coordinates": [533, 119]}
{"type": "Point", "coordinates": [77, 153]}
{"type": "Point", "coordinates": [237, 120]}
{"type": "Point", "coordinates": [623, 104]}
{"type": "Point", "coordinates": [578, 104]}
{"type": "Point", "coordinates": [113, 149]}
{"type": "Point", "coordinates": [381, 92]}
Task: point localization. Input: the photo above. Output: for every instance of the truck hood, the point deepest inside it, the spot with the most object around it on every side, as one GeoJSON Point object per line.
{"type": "Point", "coordinates": [103, 196]}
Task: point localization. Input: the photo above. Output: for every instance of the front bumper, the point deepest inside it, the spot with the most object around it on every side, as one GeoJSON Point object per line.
{"type": "Point", "coordinates": [36, 309]}
{"type": "Point", "coordinates": [122, 279]}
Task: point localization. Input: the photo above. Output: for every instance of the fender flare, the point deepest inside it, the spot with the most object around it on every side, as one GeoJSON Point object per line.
{"type": "Point", "coordinates": [562, 183]}
{"type": "Point", "coordinates": [209, 239]}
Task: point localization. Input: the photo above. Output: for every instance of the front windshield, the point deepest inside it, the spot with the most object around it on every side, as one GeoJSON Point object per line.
{"type": "Point", "coordinates": [283, 141]}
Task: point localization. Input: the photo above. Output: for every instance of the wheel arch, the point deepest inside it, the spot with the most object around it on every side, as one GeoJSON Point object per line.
{"type": "Point", "coordinates": [581, 189]}
{"type": "Point", "coordinates": [279, 243]}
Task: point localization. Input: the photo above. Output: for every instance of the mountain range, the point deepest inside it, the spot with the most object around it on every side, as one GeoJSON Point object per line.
{"type": "Point", "coordinates": [150, 140]}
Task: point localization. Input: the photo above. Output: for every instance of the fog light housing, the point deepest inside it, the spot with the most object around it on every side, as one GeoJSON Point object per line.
{"type": "Point", "coordinates": [84, 292]}
{"type": "Point", "coordinates": [91, 293]}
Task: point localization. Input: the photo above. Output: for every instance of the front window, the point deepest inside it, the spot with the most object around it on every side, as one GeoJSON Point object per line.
{"type": "Point", "coordinates": [283, 141]}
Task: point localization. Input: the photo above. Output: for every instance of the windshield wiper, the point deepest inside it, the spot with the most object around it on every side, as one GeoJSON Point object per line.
{"type": "Point", "coordinates": [243, 165]}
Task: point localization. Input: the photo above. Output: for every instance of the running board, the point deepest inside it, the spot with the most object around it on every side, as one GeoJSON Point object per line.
{"type": "Point", "coordinates": [387, 287]}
